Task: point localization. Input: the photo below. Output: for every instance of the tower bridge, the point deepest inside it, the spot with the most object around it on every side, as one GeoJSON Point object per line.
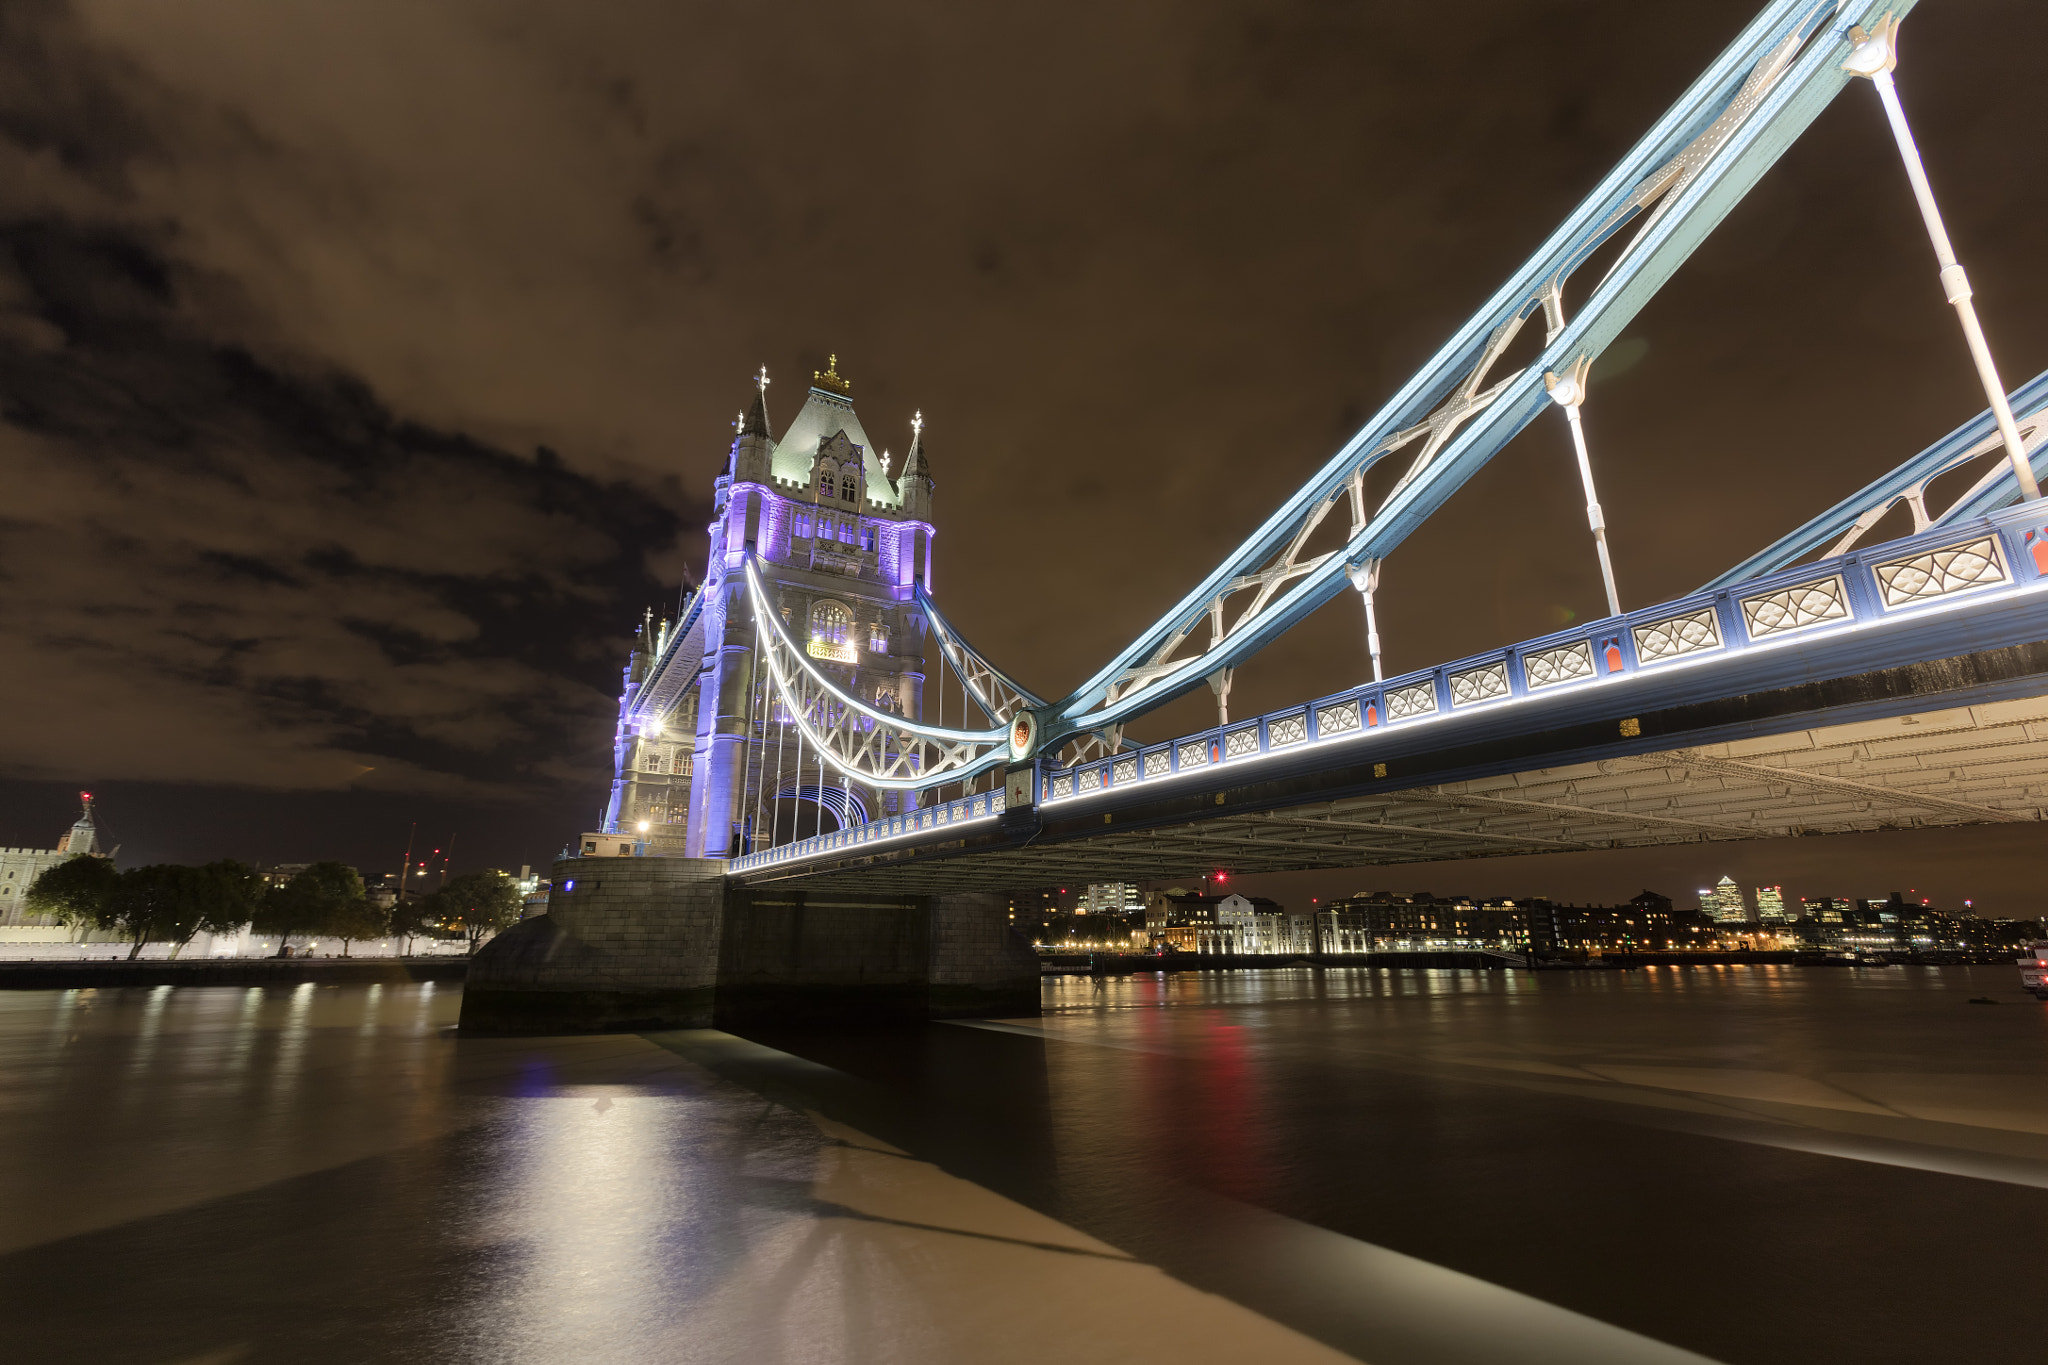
{"type": "Point", "coordinates": [797, 823]}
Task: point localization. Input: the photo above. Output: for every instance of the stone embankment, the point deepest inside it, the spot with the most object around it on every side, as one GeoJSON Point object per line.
{"type": "Point", "coordinates": [238, 971]}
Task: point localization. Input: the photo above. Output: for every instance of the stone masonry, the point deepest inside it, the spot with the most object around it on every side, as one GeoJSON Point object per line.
{"type": "Point", "coordinates": [650, 943]}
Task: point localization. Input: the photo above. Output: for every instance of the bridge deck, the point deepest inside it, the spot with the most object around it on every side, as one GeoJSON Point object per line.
{"type": "Point", "coordinates": [1876, 690]}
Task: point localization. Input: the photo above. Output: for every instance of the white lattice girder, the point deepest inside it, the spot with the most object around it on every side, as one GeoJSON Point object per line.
{"type": "Point", "coordinates": [1844, 526]}
{"type": "Point", "coordinates": [888, 751]}
{"type": "Point", "coordinates": [998, 695]}
{"type": "Point", "coordinates": [1681, 179]}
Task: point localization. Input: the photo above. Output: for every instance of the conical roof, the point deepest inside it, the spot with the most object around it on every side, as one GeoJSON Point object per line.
{"type": "Point", "coordinates": [914, 464]}
{"type": "Point", "coordinates": [755, 422]}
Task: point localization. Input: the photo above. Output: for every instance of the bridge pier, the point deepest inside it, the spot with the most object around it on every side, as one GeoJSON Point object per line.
{"type": "Point", "coordinates": [651, 943]}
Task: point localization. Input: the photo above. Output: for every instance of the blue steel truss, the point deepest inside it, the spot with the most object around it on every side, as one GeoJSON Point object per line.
{"type": "Point", "coordinates": [1968, 584]}
{"type": "Point", "coordinates": [1682, 178]}
{"type": "Point", "coordinates": [1841, 525]}
{"type": "Point", "coordinates": [1678, 182]}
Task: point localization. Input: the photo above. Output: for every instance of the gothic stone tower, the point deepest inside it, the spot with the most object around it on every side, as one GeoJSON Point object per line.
{"type": "Point", "coordinates": [842, 541]}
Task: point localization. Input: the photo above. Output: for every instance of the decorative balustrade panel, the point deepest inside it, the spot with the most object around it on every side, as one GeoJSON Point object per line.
{"type": "Point", "coordinates": [1927, 572]}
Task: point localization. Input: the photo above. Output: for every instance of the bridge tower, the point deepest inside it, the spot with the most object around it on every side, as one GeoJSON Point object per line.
{"type": "Point", "coordinates": [843, 538]}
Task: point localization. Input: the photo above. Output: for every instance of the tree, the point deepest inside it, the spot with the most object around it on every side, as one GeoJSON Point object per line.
{"type": "Point", "coordinates": [74, 892]}
{"type": "Point", "coordinates": [170, 903]}
{"type": "Point", "coordinates": [352, 920]}
{"type": "Point", "coordinates": [229, 901]}
{"type": "Point", "coordinates": [321, 899]}
{"type": "Point", "coordinates": [477, 903]}
{"type": "Point", "coordinates": [410, 918]}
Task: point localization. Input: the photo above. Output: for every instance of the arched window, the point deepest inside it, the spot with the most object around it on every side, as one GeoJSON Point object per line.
{"type": "Point", "coordinates": [849, 487]}
{"type": "Point", "coordinates": [885, 699]}
{"type": "Point", "coordinates": [828, 479]}
{"type": "Point", "coordinates": [829, 621]}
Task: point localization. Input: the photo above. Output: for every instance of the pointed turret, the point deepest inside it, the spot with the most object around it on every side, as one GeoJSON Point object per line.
{"type": "Point", "coordinates": [643, 644]}
{"type": "Point", "coordinates": [755, 423]}
{"type": "Point", "coordinates": [914, 485]}
{"type": "Point", "coordinates": [85, 835]}
{"type": "Point", "coordinates": [753, 449]}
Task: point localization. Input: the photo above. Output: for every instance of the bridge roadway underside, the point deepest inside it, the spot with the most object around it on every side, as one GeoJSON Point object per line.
{"type": "Point", "coordinates": [1956, 741]}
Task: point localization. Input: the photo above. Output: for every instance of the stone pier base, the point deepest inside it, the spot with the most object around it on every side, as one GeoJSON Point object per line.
{"type": "Point", "coordinates": [650, 943]}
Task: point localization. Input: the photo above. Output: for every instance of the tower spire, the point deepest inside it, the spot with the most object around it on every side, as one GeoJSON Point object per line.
{"type": "Point", "coordinates": [914, 466]}
{"type": "Point", "coordinates": [754, 421]}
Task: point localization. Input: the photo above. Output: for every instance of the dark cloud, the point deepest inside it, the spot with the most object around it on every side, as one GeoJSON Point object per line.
{"type": "Point", "coordinates": [227, 560]}
{"type": "Point", "coordinates": [292, 292]}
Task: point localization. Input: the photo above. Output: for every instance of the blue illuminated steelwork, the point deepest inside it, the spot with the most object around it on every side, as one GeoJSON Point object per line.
{"type": "Point", "coordinates": [857, 739]}
{"type": "Point", "coordinates": [1965, 567]}
{"type": "Point", "coordinates": [1684, 176]}
{"type": "Point", "coordinates": [1843, 524]}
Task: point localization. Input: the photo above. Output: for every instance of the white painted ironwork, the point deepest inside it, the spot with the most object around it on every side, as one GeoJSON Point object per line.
{"type": "Point", "coordinates": [1340, 719]}
{"type": "Point", "coordinates": [1405, 703]}
{"type": "Point", "coordinates": [1939, 573]}
{"type": "Point", "coordinates": [1158, 764]}
{"type": "Point", "coordinates": [1486, 683]}
{"type": "Point", "coordinates": [1238, 743]}
{"type": "Point", "coordinates": [1672, 190]}
{"type": "Point", "coordinates": [1124, 770]}
{"type": "Point", "coordinates": [1874, 58]}
{"type": "Point", "coordinates": [1677, 635]}
{"type": "Point", "coordinates": [1287, 730]}
{"type": "Point", "coordinates": [1366, 578]}
{"type": "Point", "coordinates": [1569, 393]}
{"type": "Point", "coordinates": [1795, 608]}
{"type": "Point", "coordinates": [1566, 663]}
{"type": "Point", "coordinates": [1194, 753]}
{"type": "Point", "coordinates": [998, 696]}
{"type": "Point", "coordinates": [865, 743]}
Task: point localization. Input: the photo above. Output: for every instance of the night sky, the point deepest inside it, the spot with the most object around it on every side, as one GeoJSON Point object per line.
{"type": "Point", "coordinates": [364, 368]}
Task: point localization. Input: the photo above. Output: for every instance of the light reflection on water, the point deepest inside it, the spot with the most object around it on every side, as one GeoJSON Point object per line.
{"type": "Point", "coordinates": [529, 1199]}
{"type": "Point", "coordinates": [1074, 993]}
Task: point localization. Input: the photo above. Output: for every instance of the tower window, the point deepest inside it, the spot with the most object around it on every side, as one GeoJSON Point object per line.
{"type": "Point", "coordinates": [830, 623]}
{"type": "Point", "coordinates": [848, 488]}
{"type": "Point", "coordinates": [878, 638]}
{"type": "Point", "coordinates": [867, 539]}
{"type": "Point", "coordinates": [803, 523]}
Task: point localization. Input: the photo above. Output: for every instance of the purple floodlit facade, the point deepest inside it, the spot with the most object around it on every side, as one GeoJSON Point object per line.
{"type": "Point", "coordinates": [707, 765]}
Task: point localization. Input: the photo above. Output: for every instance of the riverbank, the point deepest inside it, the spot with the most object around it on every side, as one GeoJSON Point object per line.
{"type": "Point", "coordinates": [251, 971]}
{"type": "Point", "coordinates": [1123, 964]}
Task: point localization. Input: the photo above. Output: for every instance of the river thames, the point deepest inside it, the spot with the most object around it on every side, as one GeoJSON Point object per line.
{"type": "Point", "coordinates": [1738, 1164]}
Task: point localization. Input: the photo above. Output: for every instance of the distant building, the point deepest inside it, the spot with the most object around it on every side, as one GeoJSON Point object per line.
{"type": "Point", "coordinates": [1111, 898]}
{"type": "Point", "coordinates": [19, 867]}
{"type": "Point", "coordinates": [533, 892]}
{"type": "Point", "coordinates": [1384, 922]}
{"type": "Point", "coordinates": [1725, 902]}
{"type": "Point", "coordinates": [1770, 905]}
{"type": "Point", "coordinates": [1234, 925]}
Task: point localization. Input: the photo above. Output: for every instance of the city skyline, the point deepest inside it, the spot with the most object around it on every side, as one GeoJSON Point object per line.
{"type": "Point", "coordinates": [577, 428]}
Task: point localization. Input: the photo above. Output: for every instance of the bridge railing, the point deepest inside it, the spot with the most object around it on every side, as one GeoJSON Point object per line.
{"type": "Point", "coordinates": [1937, 570]}
{"type": "Point", "coordinates": [965, 810]}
